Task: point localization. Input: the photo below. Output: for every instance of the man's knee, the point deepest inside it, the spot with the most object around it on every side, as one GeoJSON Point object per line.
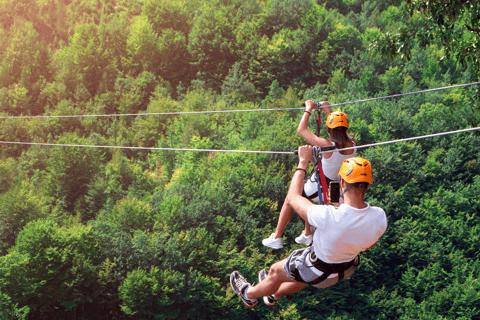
{"type": "Point", "coordinates": [276, 270]}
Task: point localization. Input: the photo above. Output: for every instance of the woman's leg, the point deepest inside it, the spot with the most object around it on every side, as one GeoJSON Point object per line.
{"type": "Point", "coordinates": [283, 219]}
{"type": "Point", "coordinates": [307, 230]}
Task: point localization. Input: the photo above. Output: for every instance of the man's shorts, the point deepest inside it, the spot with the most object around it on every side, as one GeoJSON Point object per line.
{"type": "Point", "coordinates": [299, 264]}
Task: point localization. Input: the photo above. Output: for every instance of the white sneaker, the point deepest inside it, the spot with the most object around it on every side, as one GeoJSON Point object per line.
{"type": "Point", "coordinates": [273, 243]}
{"type": "Point", "coordinates": [303, 239]}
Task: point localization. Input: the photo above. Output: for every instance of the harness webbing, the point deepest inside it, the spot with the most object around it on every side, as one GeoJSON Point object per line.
{"type": "Point", "coordinates": [329, 268]}
{"type": "Point", "coordinates": [322, 186]}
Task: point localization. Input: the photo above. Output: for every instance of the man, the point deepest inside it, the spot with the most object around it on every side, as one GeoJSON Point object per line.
{"type": "Point", "coordinates": [341, 234]}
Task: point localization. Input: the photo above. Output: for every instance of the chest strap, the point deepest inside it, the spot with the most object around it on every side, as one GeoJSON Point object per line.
{"type": "Point", "coordinates": [330, 268]}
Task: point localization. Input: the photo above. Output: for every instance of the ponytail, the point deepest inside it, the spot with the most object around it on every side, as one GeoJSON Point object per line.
{"type": "Point", "coordinates": [339, 135]}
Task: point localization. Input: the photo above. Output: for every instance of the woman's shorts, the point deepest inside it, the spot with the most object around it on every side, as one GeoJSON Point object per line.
{"type": "Point", "coordinates": [298, 267]}
{"type": "Point", "coordinates": [310, 187]}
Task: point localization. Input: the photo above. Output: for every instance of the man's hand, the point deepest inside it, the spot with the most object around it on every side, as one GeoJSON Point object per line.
{"type": "Point", "coordinates": [304, 156]}
{"type": "Point", "coordinates": [329, 201]}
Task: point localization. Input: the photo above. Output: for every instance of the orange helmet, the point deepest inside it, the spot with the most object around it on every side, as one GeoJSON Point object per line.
{"type": "Point", "coordinates": [337, 119]}
{"type": "Point", "coordinates": [355, 170]}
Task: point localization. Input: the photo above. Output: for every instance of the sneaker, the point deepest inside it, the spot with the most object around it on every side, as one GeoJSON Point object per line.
{"type": "Point", "coordinates": [303, 239]}
{"type": "Point", "coordinates": [240, 286]}
{"type": "Point", "coordinates": [273, 243]}
{"type": "Point", "coordinates": [269, 300]}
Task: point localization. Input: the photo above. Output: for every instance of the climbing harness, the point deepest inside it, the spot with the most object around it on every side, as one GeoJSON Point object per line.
{"type": "Point", "coordinates": [318, 172]}
{"type": "Point", "coordinates": [329, 268]}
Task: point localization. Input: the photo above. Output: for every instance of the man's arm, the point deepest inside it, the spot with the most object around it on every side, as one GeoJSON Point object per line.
{"type": "Point", "coordinates": [294, 195]}
{"type": "Point", "coordinates": [372, 246]}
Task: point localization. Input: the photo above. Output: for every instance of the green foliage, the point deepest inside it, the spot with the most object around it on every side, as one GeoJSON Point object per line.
{"type": "Point", "coordinates": [9, 310]}
{"type": "Point", "coordinates": [51, 269]}
{"type": "Point", "coordinates": [160, 294]}
{"type": "Point", "coordinates": [454, 26]}
{"type": "Point", "coordinates": [70, 170]}
{"type": "Point", "coordinates": [237, 86]}
{"type": "Point", "coordinates": [142, 234]}
{"type": "Point", "coordinates": [287, 14]}
{"type": "Point", "coordinates": [212, 41]}
{"type": "Point", "coordinates": [130, 214]}
{"type": "Point", "coordinates": [141, 46]}
{"type": "Point", "coordinates": [20, 205]}
{"type": "Point", "coordinates": [24, 68]}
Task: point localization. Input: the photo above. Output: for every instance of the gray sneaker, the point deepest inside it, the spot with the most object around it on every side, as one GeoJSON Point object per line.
{"type": "Point", "coordinates": [240, 286]}
{"type": "Point", "coordinates": [269, 300]}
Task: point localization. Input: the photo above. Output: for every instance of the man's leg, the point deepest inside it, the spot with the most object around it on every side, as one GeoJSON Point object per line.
{"type": "Point", "coordinates": [289, 288]}
{"type": "Point", "coordinates": [271, 284]}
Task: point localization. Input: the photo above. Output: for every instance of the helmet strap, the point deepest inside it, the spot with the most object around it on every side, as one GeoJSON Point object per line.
{"type": "Point", "coordinates": [348, 187]}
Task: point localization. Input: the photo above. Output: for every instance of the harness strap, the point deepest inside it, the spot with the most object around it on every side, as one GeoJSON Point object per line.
{"type": "Point", "coordinates": [329, 268]}
{"type": "Point", "coordinates": [322, 186]}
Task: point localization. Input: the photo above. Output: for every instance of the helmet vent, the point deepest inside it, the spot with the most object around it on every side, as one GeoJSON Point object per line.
{"type": "Point", "coordinates": [349, 171]}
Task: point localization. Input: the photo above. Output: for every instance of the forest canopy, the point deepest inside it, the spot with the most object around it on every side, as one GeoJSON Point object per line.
{"type": "Point", "coordinates": [123, 233]}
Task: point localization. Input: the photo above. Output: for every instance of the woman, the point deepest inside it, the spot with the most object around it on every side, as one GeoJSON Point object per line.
{"type": "Point", "coordinates": [337, 126]}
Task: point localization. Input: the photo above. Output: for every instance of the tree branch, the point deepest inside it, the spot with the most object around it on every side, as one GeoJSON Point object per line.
{"type": "Point", "coordinates": [477, 30]}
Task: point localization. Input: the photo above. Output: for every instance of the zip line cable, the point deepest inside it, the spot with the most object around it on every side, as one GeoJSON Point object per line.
{"type": "Point", "coordinates": [405, 139]}
{"type": "Point", "coordinates": [232, 111]}
{"type": "Point", "coordinates": [241, 151]}
{"type": "Point", "coordinates": [140, 148]}
{"type": "Point", "coordinates": [404, 94]}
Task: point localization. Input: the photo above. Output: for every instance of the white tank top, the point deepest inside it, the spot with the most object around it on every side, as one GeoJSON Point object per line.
{"type": "Point", "coordinates": [331, 166]}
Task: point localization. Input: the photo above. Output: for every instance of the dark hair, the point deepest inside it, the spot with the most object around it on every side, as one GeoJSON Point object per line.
{"type": "Point", "coordinates": [361, 185]}
{"type": "Point", "coordinates": [358, 185]}
{"type": "Point", "coordinates": [338, 135]}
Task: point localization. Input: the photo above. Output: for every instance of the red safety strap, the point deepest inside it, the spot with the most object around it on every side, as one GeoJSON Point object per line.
{"type": "Point", "coordinates": [323, 181]}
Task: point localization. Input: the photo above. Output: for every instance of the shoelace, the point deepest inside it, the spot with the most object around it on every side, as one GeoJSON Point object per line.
{"type": "Point", "coordinates": [240, 282]}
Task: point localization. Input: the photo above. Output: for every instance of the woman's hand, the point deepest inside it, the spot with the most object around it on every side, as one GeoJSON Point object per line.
{"type": "Point", "coordinates": [326, 109]}
{"type": "Point", "coordinates": [309, 106]}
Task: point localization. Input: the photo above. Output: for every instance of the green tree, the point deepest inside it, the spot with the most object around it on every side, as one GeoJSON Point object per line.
{"type": "Point", "coordinates": [286, 14]}
{"type": "Point", "coordinates": [454, 26]}
{"type": "Point", "coordinates": [237, 86]}
{"type": "Point", "coordinates": [212, 41]}
{"type": "Point", "coordinates": [143, 53]}
{"type": "Point", "coordinates": [130, 215]}
{"type": "Point", "coordinates": [20, 205]}
{"type": "Point", "coordinates": [164, 15]}
{"type": "Point", "coordinates": [52, 269]}
{"type": "Point", "coordinates": [24, 67]}
{"type": "Point", "coordinates": [70, 171]}
{"type": "Point", "coordinates": [86, 66]}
